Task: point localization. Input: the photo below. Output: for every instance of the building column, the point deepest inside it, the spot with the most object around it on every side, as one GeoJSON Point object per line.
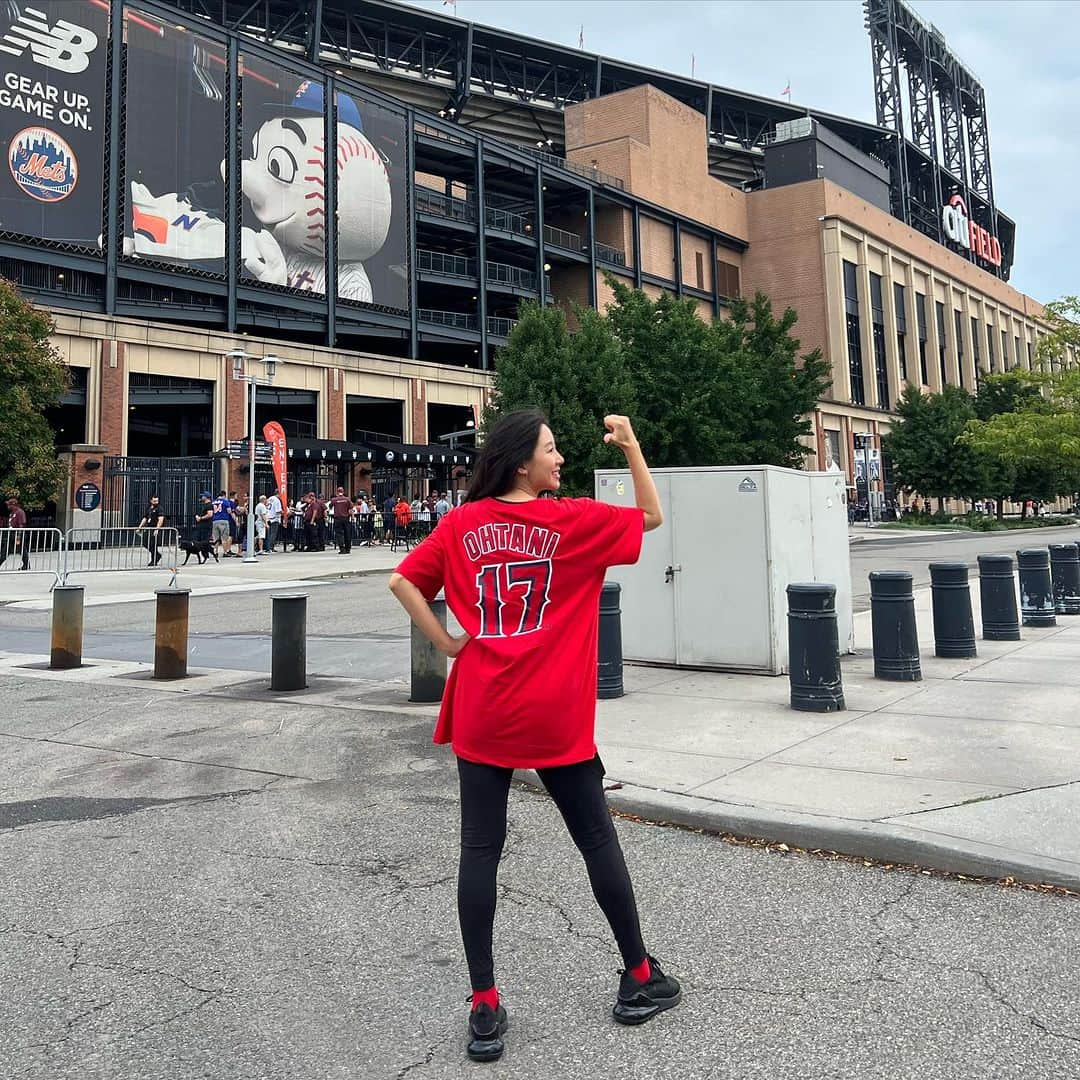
{"type": "Point", "coordinates": [971, 380]}
{"type": "Point", "coordinates": [113, 400]}
{"type": "Point", "coordinates": [866, 331]}
{"type": "Point", "coordinates": [837, 322]}
{"type": "Point", "coordinates": [892, 357]}
{"type": "Point", "coordinates": [335, 404]}
{"type": "Point", "coordinates": [419, 413]}
{"type": "Point", "coordinates": [933, 362]}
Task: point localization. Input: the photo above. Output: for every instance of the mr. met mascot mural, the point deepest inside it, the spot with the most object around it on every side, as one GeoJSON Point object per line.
{"type": "Point", "coordinates": [284, 181]}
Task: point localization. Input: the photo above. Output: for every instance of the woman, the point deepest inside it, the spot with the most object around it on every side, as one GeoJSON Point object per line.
{"type": "Point", "coordinates": [522, 574]}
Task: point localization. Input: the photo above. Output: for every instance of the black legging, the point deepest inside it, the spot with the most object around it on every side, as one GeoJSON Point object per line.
{"type": "Point", "coordinates": [578, 791]}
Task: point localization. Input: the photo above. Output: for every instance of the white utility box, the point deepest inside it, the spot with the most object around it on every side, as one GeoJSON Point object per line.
{"type": "Point", "coordinates": [709, 589]}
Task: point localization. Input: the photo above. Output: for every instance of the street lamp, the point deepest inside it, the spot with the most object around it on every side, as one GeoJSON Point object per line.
{"type": "Point", "coordinates": [240, 373]}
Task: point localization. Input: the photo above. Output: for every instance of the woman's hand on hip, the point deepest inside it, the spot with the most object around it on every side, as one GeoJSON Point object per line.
{"type": "Point", "coordinates": [455, 645]}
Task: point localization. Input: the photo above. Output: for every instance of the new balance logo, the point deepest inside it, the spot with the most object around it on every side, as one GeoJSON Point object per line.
{"type": "Point", "coordinates": [65, 47]}
{"type": "Point", "coordinates": [187, 223]}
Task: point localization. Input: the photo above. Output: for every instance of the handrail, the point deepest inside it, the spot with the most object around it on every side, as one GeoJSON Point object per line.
{"type": "Point", "coordinates": [458, 319]}
{"type": "Point", "coordinates": [439, 263]}
{"type": "Point", "coordinates": [562, 238]}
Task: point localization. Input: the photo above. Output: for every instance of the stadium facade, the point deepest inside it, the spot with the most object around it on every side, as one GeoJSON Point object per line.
{"type": "Point", "coordinates": [168, 198]}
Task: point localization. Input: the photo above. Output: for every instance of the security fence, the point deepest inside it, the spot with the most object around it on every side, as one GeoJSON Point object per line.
{"type": "Point", "coordinates": [34, 551]}
{"type": "Point", "coordinates": [84, 551]}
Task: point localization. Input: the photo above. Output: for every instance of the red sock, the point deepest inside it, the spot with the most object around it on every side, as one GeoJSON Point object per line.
{"type": "Point", "coordinates": [486, 997]}
{"type": "Point", "coordinates": [642, 971]}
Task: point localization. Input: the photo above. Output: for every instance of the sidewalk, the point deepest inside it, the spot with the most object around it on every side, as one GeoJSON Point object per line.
{"type": "Point", "coordinates": [976, 769]}
{"type": "Point", "coordinates": [279, 570]}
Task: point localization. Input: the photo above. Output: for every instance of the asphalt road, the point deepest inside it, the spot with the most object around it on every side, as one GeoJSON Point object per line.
{"type": "Point", "coordinates": [913, 554]}
{"type": "Point", "coordinates": [195, 888]}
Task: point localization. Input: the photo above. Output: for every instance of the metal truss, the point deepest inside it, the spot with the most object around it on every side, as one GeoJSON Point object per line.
{"type": "Point", "coordinates": [932, 168]}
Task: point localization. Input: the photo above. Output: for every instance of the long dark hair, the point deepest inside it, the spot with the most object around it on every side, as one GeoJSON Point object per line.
{"type": "Point", "coordinates": [509, 444]}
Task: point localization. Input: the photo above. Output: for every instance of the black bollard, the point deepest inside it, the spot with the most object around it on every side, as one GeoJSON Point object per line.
{"type": "Point", "coordinates": [427, 665]}
{"type": "Point", "coordinates": [954, 626]}
{"type": "Point", "coordinates": [1065, 578]}
{"type": "Point", "coordinates": [813, 648]}
{"type": "Point", "coordinates": [609, 681]}
{"type": "Point", "coordinates": [288, 649]}
{"type": "Point", "coordinates": [896, 640]}
{"type": "Point", "coordinates": [997, 595]}
{"type": "Point", "coordinates": [1072, 588]}
{"type": "Point", "coordinates": [1036, 590]}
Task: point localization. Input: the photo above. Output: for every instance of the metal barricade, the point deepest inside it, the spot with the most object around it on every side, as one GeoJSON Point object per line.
{"type": "Point", "coordinates": [88, 551]}
{"type": "Point", "coordinates": [32, 551]}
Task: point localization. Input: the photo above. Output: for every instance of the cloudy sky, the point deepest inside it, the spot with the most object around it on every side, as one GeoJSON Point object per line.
{"type": "Point", "coordinates": [1023, 51]}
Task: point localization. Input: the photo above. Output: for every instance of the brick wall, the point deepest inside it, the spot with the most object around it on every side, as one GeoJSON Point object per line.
{"type": "Point", "coordinates": [785, 259]}
{"type": "Point", "coordinates": [430, 180]}
{"type": "Point", "coordinates": [335, 403]}
{"type": "Point", "coordinates": [615, 227]}
{"type": "Point", "coordinates": [657, 146]}
{"type": "Point", "coordinates": [696, 253]}
{"type": "Point", "coordinates": [418, 406]}
{"type": "Point", "coordinates": [112, 403]}
{"type": "Point", "coordinates": [236, 404]}
{"type": "Point", "coordinates": [657, 248]}
{"type": "Point", "coordinates": [570, 286]}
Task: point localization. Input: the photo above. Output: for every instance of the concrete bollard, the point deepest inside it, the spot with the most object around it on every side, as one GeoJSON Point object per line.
{"type": "Point", "coordinates": [997, 595]}
{"type": "Point", "coordinates": [1036, 590]}
{"type": "Point", "coordinates": [896, 640]}
{"type": "Point", "coordinates": [954, 625]}
{"type": "Point", "coordinates": [814, 648]}
{"type": "Point", "coordinates": [288, 648]}
{"type": "Point", "coordinates": [609, 667]}
{"type": "Point", "coordinates": [171, 633]}
{"type": "Point", "coordinates": [67, 627]}
{"type": "Point", "coordinates": [1065, 578]}
{"type": "Point", "coordinates": [427, 664]}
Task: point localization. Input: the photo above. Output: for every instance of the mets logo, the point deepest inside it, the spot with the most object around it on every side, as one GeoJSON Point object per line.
{"type": "Point", "coordinates": [43, 164]}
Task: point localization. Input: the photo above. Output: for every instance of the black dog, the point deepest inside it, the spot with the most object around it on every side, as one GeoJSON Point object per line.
{"type": "Point", "coordinates": [201, 549]}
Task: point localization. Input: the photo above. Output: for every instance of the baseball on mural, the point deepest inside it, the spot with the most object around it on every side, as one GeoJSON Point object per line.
{"type": "Point", "coordinates": [284, 180]}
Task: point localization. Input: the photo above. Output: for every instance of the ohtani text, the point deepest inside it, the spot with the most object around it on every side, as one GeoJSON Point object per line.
{"type": "Point", "coordinates": [529, 540]}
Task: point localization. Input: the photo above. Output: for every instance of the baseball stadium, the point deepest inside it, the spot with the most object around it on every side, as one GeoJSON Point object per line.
{"type": "Point", "coordinates": [168, 201]}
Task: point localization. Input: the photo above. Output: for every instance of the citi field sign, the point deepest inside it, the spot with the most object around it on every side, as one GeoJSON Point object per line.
{"type": "Point", "coordinates": [963, 231]}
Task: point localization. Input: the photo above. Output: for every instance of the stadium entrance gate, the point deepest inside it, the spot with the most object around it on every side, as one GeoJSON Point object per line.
{"type": "Point", "coordinates": [130, 481]}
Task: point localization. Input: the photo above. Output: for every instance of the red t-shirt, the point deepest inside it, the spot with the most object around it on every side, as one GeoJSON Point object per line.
{"type": "Point", "coordinates": [523, 580]}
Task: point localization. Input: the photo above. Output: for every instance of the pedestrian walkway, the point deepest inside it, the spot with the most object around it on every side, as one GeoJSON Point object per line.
{"type": "Point", "coordinates": [975, 769]}
{"type": "Point", "coordinates": [273, 571]}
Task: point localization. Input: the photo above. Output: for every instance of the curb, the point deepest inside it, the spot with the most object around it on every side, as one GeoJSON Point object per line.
{"type": "Point", "coordinates": [865, 839]}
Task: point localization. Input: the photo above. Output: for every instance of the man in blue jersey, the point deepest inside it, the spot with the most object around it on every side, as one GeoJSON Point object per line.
{"type": "Point", "coordinates": [223, 510]}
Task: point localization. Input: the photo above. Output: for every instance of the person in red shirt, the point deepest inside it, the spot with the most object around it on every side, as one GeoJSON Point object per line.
{"type": "Point", "coordinates": [522, 575]}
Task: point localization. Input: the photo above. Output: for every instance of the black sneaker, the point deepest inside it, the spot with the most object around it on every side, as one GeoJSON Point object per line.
{"type": "Point", "coordinates": [486, 1027]}
{"type": "Point", "coordinates": [638, 1002]}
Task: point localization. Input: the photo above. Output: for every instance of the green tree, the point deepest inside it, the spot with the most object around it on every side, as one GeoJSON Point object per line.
{"type": "Point", "coordinates": [779, 388]}
{"type": "Point", "coordinates": [923, 444]}
{"type": "Point", "coordinates": [1063, 319]}
{"type": "Point", "coordinates": [576, 378]}
{"type": "Point", "coordinates": [32, 378]}
{"type": "Point", "coordinates": [730, 392]}
{"type": "Point", "coordinates": [683, 415]}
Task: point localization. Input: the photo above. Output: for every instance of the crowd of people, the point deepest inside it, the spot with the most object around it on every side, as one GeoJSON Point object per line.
{"type": "Point", "coordinates": [311, 522]}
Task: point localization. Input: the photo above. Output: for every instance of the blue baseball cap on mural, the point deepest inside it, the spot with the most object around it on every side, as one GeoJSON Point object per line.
{"type": "Point", "coordinates": [310, 99]}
